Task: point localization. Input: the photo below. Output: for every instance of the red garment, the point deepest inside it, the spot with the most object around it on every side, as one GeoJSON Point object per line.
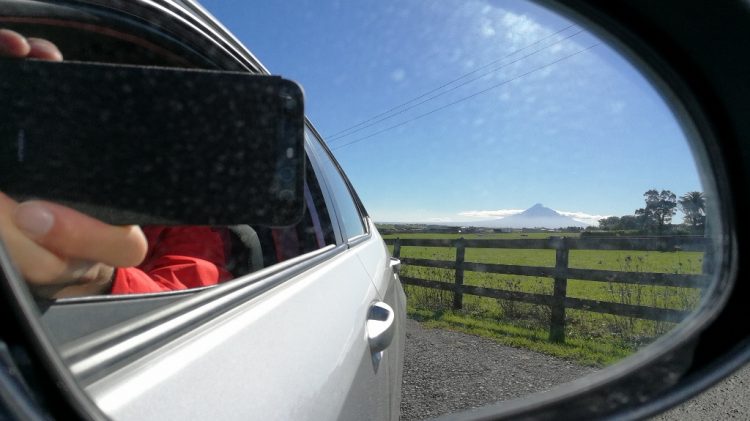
{"type": "Point", "coordinates": [179, 257]}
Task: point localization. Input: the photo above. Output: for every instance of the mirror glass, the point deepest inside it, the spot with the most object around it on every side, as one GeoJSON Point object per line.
{"type": "Point", "coordinates": [505, 149]}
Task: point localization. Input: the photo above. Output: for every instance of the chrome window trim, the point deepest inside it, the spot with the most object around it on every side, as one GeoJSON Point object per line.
{"type": "Point", "coordinates": [100, 16]}
{"type": "Point", "coordinates": [177, 21]}
{"type": "Point", "coordinates": [98, 354]}
{"type": "Point", "coordinates": [357, 201]}
{"type": "Point", "coordinates": [325, 189]}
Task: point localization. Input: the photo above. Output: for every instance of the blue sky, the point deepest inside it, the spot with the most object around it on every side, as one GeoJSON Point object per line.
{"type": "Point", "coordinates": [544, 112]}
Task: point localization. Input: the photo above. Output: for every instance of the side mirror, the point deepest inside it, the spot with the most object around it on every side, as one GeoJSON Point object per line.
{"type": "Point", "coordinates": [198, 147]}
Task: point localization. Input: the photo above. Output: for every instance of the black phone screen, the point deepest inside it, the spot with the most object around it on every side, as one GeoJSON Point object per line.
{"type": "Point", "coordinates": [132, 144]}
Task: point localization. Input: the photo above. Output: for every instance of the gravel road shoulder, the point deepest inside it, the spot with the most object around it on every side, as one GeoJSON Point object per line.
{"type": "Point", "coordinates": [446, 371]}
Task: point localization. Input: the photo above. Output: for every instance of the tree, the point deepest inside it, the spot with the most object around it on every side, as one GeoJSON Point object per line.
{"type": "Point", "coordinates": [660, 207]}
{"type": "Point", "coordinates": [610, 223]}
{"type": "Point", "coordinates": [693, 205]}
{"type": "Point", "coordinates": [630, 222]}
{"type": "Point", "coordinates": [621, 223]}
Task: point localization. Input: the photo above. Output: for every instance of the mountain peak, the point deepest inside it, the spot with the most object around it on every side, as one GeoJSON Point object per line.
{"type": "Point", "coordinates": [539, 210]}
{"type": "Point", "coordinates": [536, 216]}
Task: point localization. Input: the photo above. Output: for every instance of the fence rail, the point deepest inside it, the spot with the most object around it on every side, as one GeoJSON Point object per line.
{"type": "Point", "coordinates": [558, 302]}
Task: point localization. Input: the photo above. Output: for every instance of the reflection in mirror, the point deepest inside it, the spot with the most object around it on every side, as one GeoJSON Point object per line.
{"type": "Point", "coordinates": [543, 199]}
{"type": "Point", "coordinates": [541, 195]}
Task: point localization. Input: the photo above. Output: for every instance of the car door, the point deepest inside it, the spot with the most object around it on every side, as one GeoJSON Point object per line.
{"type": "Point", "coordinates": [297, 351]}
{"type": "Point", "coordinates": [367, 245]}
{"type": "Point", "coordinates": [383, 269]}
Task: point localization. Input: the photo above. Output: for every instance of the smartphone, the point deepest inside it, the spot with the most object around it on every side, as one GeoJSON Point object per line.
{"type": "Point", "coordinates": [150, 145]}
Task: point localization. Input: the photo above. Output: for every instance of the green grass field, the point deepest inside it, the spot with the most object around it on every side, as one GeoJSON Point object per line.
{"type": "Point", "coordinates": [489, 236]}
{"type": "Point", "coordinates": [599, 339]}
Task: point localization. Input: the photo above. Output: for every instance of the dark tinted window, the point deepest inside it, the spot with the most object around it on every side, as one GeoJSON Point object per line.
{"type": "Point", "coordinates": [350, 217]}
{"type": "Point", "coordinates": [314, 231]}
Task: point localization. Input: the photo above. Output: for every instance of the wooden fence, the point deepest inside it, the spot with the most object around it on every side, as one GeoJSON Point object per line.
{"type": "Point", "coordinates": [558, 302]}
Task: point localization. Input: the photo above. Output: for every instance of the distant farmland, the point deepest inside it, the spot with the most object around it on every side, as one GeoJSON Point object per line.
{"type": "Point", "coordinates": [591, 338]}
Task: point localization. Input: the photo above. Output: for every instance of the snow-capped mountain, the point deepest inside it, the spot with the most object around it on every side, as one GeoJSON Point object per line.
{"type": "Point", "coordinates": [536, 216]}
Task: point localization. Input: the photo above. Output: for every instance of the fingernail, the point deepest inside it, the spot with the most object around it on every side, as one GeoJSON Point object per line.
{"type": "Point", "coordinates": [43, 49]}
{"type": "Point", "coordinates": [33, 219]}
{"type": "Point", "coordinates": [13, 44]}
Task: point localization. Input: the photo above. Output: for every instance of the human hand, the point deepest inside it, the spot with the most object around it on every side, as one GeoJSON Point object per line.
{"type": "Point", "coordinates": [61, 252]}
{"type": "Point", "coordinates": [13, 44]}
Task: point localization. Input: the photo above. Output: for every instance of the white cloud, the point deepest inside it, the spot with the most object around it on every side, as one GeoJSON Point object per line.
{"type": "Point", "coordinates": [487, 29]}
{"type": "Point", "coordinates": [584, 217]}
{"type": "Point", "coordinates": [616, 107]}
{"type": "Point", "coordinates": [469, 64]}
{"type": "Point", "coordinates": [500, 213]}
{"type": "Point", "coordinates": [521, 30]}
{"type": "Point", "coordinates": [440, 220]}
{"type": "Point", "coordinates": [398, 75]}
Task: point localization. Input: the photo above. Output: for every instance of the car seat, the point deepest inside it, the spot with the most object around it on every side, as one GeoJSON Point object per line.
{"type": "Point", "coordinates": [246, 254]}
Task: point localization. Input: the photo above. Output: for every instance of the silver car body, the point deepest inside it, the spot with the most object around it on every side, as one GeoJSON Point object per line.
{"type": "Point", "coordinates": [299, 351]}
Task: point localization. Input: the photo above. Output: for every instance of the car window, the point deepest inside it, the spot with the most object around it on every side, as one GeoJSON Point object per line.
{"type": "Point", "coordinates": [313, 232]}
{"type": "Point", "coordinates": [350, 217]}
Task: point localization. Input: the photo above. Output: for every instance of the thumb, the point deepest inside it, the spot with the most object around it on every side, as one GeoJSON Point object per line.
{"type": "Point", "coordinates": [71, 234]}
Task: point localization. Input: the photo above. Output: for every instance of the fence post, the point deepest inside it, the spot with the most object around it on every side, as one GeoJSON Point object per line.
{"type": "Point", "coordinates": [458, 296]}
{"type": "Point", "coordinates": [397, 248]}
{"type": "Point", "coordinates": [708, 262]}
{"type": "Point", "coordinates": [557, 320]}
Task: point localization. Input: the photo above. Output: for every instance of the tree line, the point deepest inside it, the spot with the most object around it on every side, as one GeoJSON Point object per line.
{"type": "Point", "coordinates": [656, 216]}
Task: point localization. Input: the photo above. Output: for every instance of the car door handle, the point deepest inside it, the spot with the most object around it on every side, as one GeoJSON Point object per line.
{"type": "Point", "coordinates": [395, 265]}
{"type": "Point", "coordinates": [380, 326]}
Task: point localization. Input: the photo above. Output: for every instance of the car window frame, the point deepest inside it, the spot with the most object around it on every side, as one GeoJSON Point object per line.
{"type": "Point", "coordinates": [363, 216]}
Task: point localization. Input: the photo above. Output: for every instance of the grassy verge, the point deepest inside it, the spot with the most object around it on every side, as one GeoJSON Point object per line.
{"type": "Point", "coordinates": [485, 236]}
{"type": "Point", "coordinates": [581, 351]}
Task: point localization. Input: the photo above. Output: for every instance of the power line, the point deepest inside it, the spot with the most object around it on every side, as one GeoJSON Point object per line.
{"type": "Point", "coordinates": [449, 90]}
{"type": "Point", "coordinates": [335, 135]}
{"type": "Point", "coordinates": [465, 98]}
